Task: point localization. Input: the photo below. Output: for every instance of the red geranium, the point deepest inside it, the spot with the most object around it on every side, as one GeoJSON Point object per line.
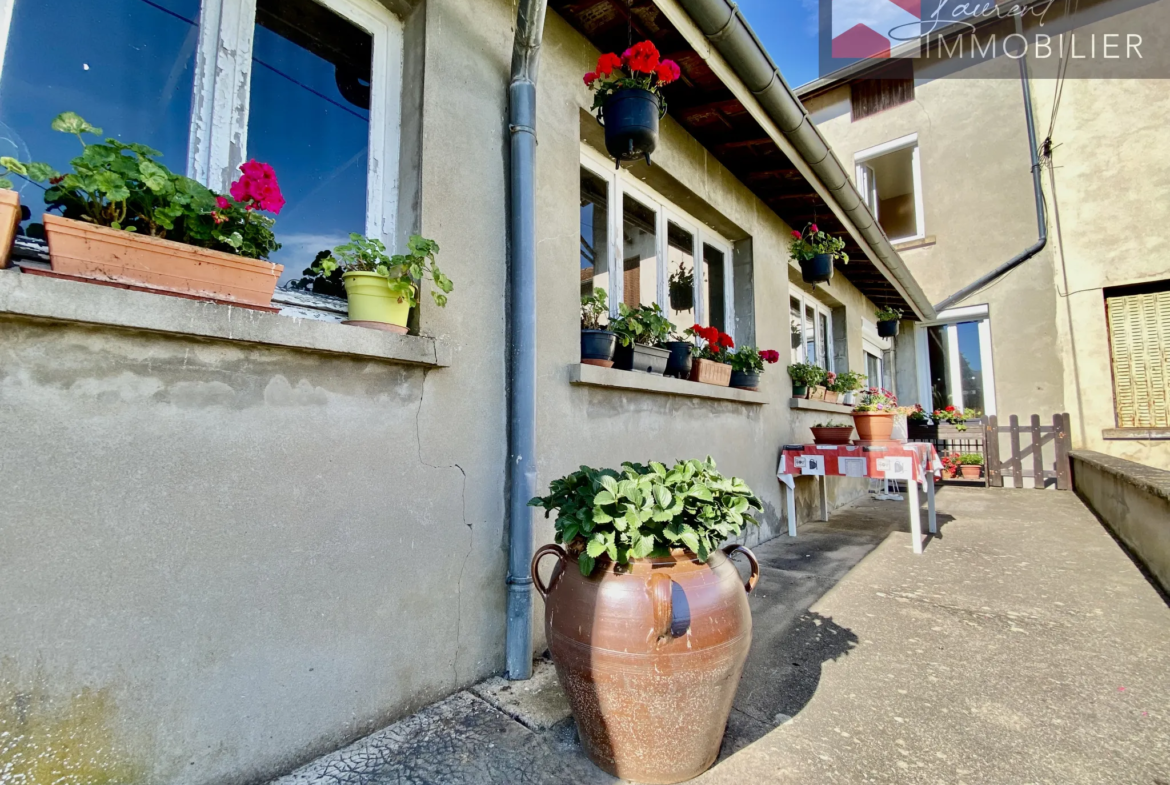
{"type": "Point", "coordinates": [642, 57]}
{"type": "Point", "coordinates": [770, 356]}
{"type": "Point", "coordinates": [607, 62]}
{"type": "Point", "coordinates": [796, 234]}
{"type": "Point", "coordinates": [814, 228]}
{"type": "Point", "coordinates": [667, 71]}
{"type": "Point", "coordinates": [590, 78]}
{"type": "Point", "coordinates": [950, 408]}
{"type": "Point", "coordinates": [258, 189]}
{"type": "Point", "coordinates": [726, 341]}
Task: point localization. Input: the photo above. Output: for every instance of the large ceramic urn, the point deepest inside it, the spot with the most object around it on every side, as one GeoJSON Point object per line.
{"type": "Point", "coordinates": [649, 654]}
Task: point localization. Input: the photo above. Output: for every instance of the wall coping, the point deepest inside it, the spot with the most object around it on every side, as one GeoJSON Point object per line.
{"type": "Point", "coordinates": [1138, 434]}
{"type": "Point", "coordinates": [1152, 480]}
{"type": "Point", "coordinates": [596, 376]}
{"type": "Point", "coordinates": [41, 297]}
{"type": "Point", "coordinates": [810, 405]}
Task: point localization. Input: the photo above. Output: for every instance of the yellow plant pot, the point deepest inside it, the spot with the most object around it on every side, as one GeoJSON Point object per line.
{"type": "Point", "coordinates": [370, 300]}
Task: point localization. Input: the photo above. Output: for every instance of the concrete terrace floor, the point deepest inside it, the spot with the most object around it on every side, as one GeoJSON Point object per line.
{"type": "Point", "coordinates": [1022, 647]}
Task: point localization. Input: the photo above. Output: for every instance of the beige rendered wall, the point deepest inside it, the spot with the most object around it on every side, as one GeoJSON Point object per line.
{"type": "Point", "coordinates": [222, 559]}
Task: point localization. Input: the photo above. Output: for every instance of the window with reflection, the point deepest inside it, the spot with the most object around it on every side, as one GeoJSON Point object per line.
{"type": "Point", "coordinates": [126, 66]}
{"type": "Point", "coordinates": [715, 288]}
{"type": "Point", "coordinates": [594, 233]}
{"type": "Point", "coordinates": [680, 285]}
{"type": "Point", "coordinates": [812, 330]}
{"type": "Point", "coordinates": [795, 322]}
{"type": "Point", "coordinates": [639, 253]}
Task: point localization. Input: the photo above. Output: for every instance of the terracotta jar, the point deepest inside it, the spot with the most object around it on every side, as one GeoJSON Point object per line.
{"type": "Point", "coordinates": [649, 654]}
{"type": "Point", "coordinates": [832, 435]}
{"type": "Point", "coordinates": [873, 426]}
{"type": "Point", "coordinates": [710, 372]}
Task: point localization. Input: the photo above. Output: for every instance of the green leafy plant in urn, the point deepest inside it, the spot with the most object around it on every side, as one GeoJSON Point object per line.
{"type": "Point", "coordinates": [646, 617]}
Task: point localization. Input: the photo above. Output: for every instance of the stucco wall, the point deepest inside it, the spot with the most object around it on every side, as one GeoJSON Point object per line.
{"type": "Point", "coordinates": [247, 555]}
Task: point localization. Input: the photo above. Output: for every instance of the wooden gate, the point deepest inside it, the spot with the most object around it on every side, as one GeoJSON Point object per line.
{"type": "Point", "coordinates": [1020, 461]}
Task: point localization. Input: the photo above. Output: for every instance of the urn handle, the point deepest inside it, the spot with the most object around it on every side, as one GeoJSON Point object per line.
{"type": "Point", "coordinates": [545, 551]}
{"type": "Point", "coordinates": [751, 557]}
{"type": "Point", "coordinates": [660, 590]}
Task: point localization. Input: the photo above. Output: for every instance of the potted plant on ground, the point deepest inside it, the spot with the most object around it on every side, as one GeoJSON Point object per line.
{"type": "Point", "coordinates": [805, 376]}
{"type": "Point", "coordinates": [832, 433]}
{"type": "Point", "coordinates": [646, 618]}
{"type": "Point", "coordinates": [628, 99]}
{"type": "Point", "coordinates": [815, 251]}
{"type": "Point", "coordinates": [710, 363]}
{"type": "Point", "coordinates": [747, 363]}
{"type": "Point", "coordinates": [9, 219]}
{"type": "Point", "coordinates": [127, 219]}
{"type": "Point", "coordinates": [597, 343]}
{"type": "Point", "coordinates": [950, 462]}
{"type": "Point", "coordinates": [382, 289]}
{"type": "Point", "coordinates": [874, 413]}
{"type": "Point", "coordinates": [971, 465]}
{"type": "Point", "coordinates": [640, 331]}
{"type": "Point", "coordinates": [888, 320]}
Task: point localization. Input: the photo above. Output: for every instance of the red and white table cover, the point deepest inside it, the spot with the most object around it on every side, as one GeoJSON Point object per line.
{"type": "Point", "coordinates": [924, 467]}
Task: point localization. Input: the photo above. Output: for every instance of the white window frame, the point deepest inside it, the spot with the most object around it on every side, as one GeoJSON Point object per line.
{"type": "Point", "coordinates": [868, 189]}
{"type": "Point", "coordinates": [819, 309]}
{"type": "Point", "coordinates": [950, 319]}
{"type": "Point", "coordinates": [619, 184]}
{"type": "Point", "coordinates": [218, 136]}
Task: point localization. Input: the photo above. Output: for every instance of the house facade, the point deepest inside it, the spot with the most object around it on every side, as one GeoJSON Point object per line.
{"type": "Point", "coordinates": [235, 539]}
{"type": "Point", "coordinates": [940, 149]}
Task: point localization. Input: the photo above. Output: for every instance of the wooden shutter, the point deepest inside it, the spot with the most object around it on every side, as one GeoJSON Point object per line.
{"type": "Point", "coordinates": [883, 89]}
{"type": "Point", "coordinates": [1139, 341]}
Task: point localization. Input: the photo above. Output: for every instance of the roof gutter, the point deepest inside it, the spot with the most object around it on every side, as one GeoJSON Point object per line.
{"type": "Point", "coordinates": [729, 33]}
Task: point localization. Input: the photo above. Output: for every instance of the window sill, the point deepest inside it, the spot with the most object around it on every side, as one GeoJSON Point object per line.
{"type": "Point", "coordinates": [58, 300]}
{"type": "Point", "coordinates": [910, 243]}
{"type": "Point", "coordinates": [595, 376]}
{"type": "Point", "coordinates": [808, 405]}
{"type": "Point", "coordinates": [1136, 434]}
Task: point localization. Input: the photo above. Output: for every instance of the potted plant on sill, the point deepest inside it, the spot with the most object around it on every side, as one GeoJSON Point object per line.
{"type": "Point", "coordinates": [815, 251]}
{"type": "Point", "coordinates": [640, 332]}
{"type": "Point", "coordinates": [597, 343]}
{"type": "Point", "coordinates": [874, 413]}
{"type": "Point", "coordinates": [832, 433]}
{"type": "Point", "coordinates": [888, 320]}
{"type": "Point", "coordinates": [127, 219]}
{"type": "Point", "coordinates": [682, 353]}
{"type": "Point", "coordinates": [971, 465]}
{"type": "Point", "coordinates": [382, 289]}
{"type": "Point", "coordinates": [646, 618]}
{"type": "Point", "coordinates": [747, 363]}
{"type": "Point", "coordinates": [955, 417]}
{"type": "Point", "coordinates": [805, 376]}
{"type": "Point", "coordinates": [9, 219]}
{"type": "Point", "coordinates": [830, 386]}
{"type": "Point", "coordinates": [710, 363]}
{"type": "Point", "coordinates": [846, 384]}
{"type": "Point", "coordinates": [628, 99]}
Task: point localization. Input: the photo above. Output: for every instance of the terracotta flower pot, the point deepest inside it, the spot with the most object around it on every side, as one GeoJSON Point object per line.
{"type": "Point", "coordinates": [817, 393]}
{"type": "Point", "coordinates": [9, 220]}
{"type": "Point", "coordinates": [372, 304]}
{"type": "Point", "coordinates": [873, 426]}
{"type": "Point", "coordinates": [102, 254]}
{"type": "Point", "coordinates": [971, 471]}
{"type": "Point", "coordinates": [832, 435]}
{"type": "Point", "coordinates": [649, 655]}
{"type": "Point", "coordinates": [711, 372]}
{"type": "Point", "coordinates": [830, 396]}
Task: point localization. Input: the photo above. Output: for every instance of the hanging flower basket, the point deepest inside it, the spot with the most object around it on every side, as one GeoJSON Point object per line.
{"type": "Point", "coordinates": [628, 99]}
{"type": "Point", "coordinates": [816, 250]}
{"type": "Point", "coordinates": [889, 319]}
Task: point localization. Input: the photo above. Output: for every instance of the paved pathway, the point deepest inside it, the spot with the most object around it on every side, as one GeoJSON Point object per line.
{"type": "Point", "coordinates": [1023, 647]}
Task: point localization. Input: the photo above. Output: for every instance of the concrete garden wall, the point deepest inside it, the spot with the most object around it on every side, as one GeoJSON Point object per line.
{"type": "Point", "coordinates": [230, 548]}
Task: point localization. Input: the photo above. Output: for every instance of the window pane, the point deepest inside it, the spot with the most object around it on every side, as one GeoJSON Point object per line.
{"type": "Point", "coordinates": [594, 233]}
{"type": "Point", "coordinates": [892, 188]}
{"type": "Point", "coordinates": [715, 281]}
{"type": "Point", "coordinates": [794, 322]}
{"type": "Point", "coordinates": [126, 66]}
{"type": "Point", "coordinates": [873, 370]}
{"type": "Point", "coordinates": [810, 335]}
{"type": "Point", "coordinates": [824, 341]}
{"type": "Point", "coordinates": [310, 119]}
{"type": "Point", "coordinates": [640, 253]}
{"type": "Point", "coordinates": [940, 389]}
{"type": "Point", "coordinates": [970, 365]}
{"type": "Point", "coordinates": [680, 255]}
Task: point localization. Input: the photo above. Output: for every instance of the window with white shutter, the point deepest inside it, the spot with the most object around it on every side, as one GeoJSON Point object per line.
{"type": "Point", "coordinates": [1139, 344]}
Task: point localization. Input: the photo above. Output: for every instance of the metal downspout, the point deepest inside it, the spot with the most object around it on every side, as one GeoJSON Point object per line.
{"type": "Point", "coordinates": [522, 291]}
{"type": "Point", "coordinates": [1038, 194]}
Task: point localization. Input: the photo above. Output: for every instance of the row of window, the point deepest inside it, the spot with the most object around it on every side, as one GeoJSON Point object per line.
{"type": "Point", "coordinates": [308, 86]}
{"type": "Point", "coordinates": [667, 257]}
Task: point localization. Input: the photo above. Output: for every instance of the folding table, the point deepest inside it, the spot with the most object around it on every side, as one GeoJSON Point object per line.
{"type": "Point", "coordinates": [914, 462]}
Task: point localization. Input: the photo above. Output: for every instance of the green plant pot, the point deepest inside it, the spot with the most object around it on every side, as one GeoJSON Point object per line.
{"type": "Point", "coordinates": [370, 300]}
{"type": "Point", "coordinates": [799, 390]}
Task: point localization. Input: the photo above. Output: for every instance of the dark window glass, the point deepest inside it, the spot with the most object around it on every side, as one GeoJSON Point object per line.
{"type": "Point", "coordinates": [640, 254]}
{"type": "Point", "coordinates": [126, 66]}
{"type": "Point", "coordinates": [594, 233]}
{"type": "Point", "coordinates": [716, 285]}
{"type": "Point", "coordinates": [310, 119]}
{"type": "Point", "coordinates": [970, 365]}
{"type": "Point", "coordinates": [680, 254]}
{"type": "Point", "coordinates": [940, 369]}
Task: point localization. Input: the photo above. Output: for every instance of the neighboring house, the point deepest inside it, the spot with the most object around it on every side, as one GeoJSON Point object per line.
{"type": "Point", "coordinates": [233, 540]}
{"type": "Point", "coordinates": [941, 153]}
